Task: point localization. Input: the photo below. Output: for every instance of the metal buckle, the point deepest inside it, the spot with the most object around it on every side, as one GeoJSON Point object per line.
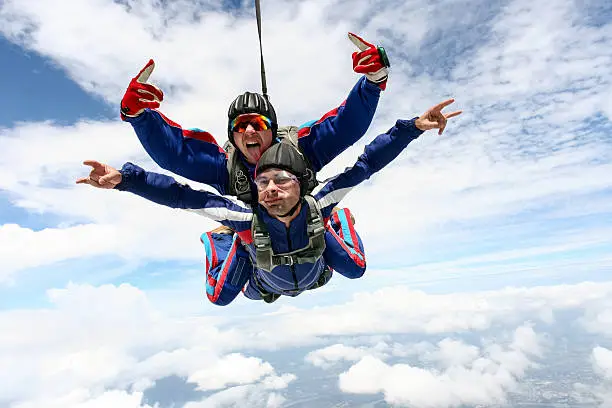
{"type": "Point", "coordinates": [285, 260]}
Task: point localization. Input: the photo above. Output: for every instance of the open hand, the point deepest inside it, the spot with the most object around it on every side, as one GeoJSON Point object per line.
{"type": "Point", "coordinates": [101, 175]}
{"type": "Point", "coordinates": [433, 118]}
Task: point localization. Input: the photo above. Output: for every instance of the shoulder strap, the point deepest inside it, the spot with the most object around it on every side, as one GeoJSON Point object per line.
{"type": "Point", "coordinates": [266, 258]}
{"type": "Point", "coordinates": [239, 185]}
{"type": "Point", "coordinates": [288, 134]}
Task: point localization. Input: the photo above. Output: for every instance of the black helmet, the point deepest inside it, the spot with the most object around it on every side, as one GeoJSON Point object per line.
{"type": "Point", "coordinates": [250, 102]}
{"type": "Point", "coordinates": [286, 157]}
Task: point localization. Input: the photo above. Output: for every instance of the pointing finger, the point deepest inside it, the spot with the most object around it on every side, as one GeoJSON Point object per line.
{"type": "Point", "coordinates": [359, 42]}
{"type": "Point", "coordinates": [442, 105]}
{"type": "Point", "coordinates": [145, 73]}
{"type": "Point", "coordinates": [95, 164]}
{"type": "Point", "coordinates": [87, 180]}
{"type": "Point", "coordinates": [452, 115]}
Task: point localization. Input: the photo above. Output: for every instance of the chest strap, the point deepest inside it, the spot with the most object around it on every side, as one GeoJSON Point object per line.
{"type": "Point", "coordinates": [266, 258]}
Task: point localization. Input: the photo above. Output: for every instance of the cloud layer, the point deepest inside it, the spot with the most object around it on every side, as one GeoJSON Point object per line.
{"type": "Point", "coordinates": [109, 342]}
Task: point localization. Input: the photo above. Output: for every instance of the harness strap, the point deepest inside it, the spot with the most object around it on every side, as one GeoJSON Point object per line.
{"type": "Point", "coordinates": [270, 297]}
{"type": "Point", "coordinates": [266, 258]}
{"type": "Point", "coordinates": [267, 297]}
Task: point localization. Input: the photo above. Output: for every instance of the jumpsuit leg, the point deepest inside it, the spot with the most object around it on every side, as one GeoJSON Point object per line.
{"type": "Point", "coordinates": [344, 250]}
{"type": "Point", "coordinates": [228, 266]}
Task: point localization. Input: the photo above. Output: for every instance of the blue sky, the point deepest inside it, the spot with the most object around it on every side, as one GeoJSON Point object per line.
{"type": "Point", "coordinates": [503, 220]}
{"type": "Point", "coordinates": [35, 89]}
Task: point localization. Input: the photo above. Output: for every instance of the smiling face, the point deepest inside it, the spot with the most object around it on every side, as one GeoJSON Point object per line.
{"type": "Point", "coordinates": [279, 191]}
{"type": "Point", "coordinates": [252, 141]}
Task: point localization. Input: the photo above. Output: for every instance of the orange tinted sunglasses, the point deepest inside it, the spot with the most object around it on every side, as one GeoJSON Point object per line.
{"type": "Point", "coordinates": [259, 122]}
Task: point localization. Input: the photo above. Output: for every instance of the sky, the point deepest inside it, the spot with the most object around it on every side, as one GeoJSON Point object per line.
{"type": "Point", "coordinates": [481, 244]}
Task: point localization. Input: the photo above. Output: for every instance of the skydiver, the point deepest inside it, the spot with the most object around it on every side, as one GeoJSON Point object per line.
{"type": "Point", "coordinates": [195, 154]}
{"type": "Point", "coordinates": [294, 240]}
{"type": "Point", "coordinates": [253, 128]}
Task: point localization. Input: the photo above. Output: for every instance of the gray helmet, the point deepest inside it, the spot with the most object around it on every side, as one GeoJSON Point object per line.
{"type": "Point", "coordinates": [250, 102]}
{"type": "Point", "coordinates": [286, 157]}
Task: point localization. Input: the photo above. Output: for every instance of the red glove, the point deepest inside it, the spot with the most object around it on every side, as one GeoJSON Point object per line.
{"type": "Point", "coordinates": [371, 61]}
{"type": "Point", "coordinates": [140, 95]}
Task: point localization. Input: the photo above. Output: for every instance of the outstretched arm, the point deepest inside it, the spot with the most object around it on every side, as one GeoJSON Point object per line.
{"type": "Point", "coordinates": [165, 190]}
{"type": "Point", "coordinates": [324, 139]}
{"type": "Point", "coordinates": [380, 152]}
{"type": "Point", "coordinates": [193, 154]}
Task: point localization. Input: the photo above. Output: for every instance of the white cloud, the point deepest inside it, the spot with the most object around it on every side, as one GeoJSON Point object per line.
{"type": "Point", "coordinates": [245, 395]}
{"type": "Point", "coordinates": [382, 350]}
{"type": "Point", "coordinates": [111, 338]}
{"type": "Point", "coordinates": [602, 360]}
{"type": "Point", "coordinates": [24, 248]}
{"type": "Point", "coordinates": [339, 352]}
{"type": "Point", "coordinates": [598, 318]}
{"type": "Point", "coordinates": [600, 393]}
{"type": "Point", "coordinates": [231, 369]}
{"type": "Point", "coordinates": [452, 352]}
{"type": "Point", "coordinates": [259, 391]}
{"type": "Point", "coordinates": [401, 310]}
{"type": "Point", "coordinates": [473, 377]}
{"type": "Point", "coordinates": [84, 399]}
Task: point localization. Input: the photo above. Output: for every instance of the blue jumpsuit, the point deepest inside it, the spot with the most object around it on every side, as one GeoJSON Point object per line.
{"type": "Point", "coordinates": [344, 251]}
{"type": "Point", "coordinates": [195, 154]}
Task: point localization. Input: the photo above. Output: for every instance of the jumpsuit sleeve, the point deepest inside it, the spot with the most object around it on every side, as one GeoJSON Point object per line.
{"type": "Point", "coordinates": [191, 153]}
{"type": "Point", "coordinates": [228, 265]}
{"type": "Point", "coordinates": [165, 190]}
{"type": "Point", "coordinates": [377, 154]}
{"type": "Point", "coordinates": [324, 139]}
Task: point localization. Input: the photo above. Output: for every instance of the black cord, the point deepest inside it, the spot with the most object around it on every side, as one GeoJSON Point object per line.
{"type": "Point", "coordinates": [264, 87]}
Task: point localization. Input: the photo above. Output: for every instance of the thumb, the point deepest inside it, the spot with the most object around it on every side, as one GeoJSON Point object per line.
{"type": "Point", "coordinates": [359, 42]}
{"type": "Point", "coordinates": [88, 180]}
{"type": "Point", "coordinates": [145, 73]}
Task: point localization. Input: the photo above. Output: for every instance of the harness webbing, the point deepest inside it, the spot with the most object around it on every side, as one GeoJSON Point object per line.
{"type": "Point", "coordinates": [264, 87]}
{"type": "Point", "coordinates": [267, 260]}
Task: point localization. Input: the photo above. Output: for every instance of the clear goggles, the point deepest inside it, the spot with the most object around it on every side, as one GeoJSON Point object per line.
{"type": "Point", "coordinates": [282, 179]}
